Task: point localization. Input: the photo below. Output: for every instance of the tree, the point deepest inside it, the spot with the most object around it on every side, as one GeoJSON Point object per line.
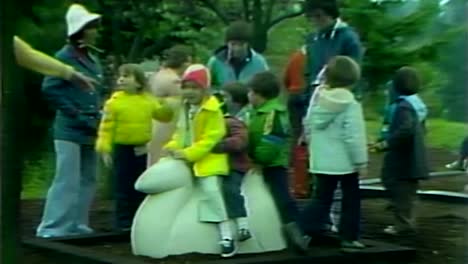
{"type": "Point", "coordinates": [394, 36]}
{"type": "Point", "coordinates": [453, 62]}
{"type": "Point", "coordinates": [263, 15]}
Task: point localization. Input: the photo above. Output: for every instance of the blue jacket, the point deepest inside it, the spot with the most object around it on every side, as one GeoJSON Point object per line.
{"type": "Point", "coordinates": [223, 71]}
{"type": "Point", "coordinates": [323, 45]}
{"type": "Point", "coordinates": [77, 110]}
{"type": "Point", "coordinates": [413, 100]}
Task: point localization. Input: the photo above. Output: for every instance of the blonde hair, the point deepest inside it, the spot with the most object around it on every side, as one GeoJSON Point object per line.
{"type": "Point", "coordinates": [342, 71]}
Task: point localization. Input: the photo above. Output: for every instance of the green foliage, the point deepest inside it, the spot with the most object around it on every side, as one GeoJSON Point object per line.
{"type": "Point", "coordinates": [393, 40]}
{"type": "Point", "coordinates": [453, 62]}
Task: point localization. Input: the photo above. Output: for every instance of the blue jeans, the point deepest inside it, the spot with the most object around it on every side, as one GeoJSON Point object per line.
{"type": "Point", "coordinates": [316, 213]}
{"type": "Point", "coordinates": [235, 202]}
{"type": "Point", "coordinates": [68, 202]}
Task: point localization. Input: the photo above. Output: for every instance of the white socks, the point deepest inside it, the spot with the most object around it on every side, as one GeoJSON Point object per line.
{"type": "Point", "coordinates": [225, 230]}
{"type": "Point", "coordinates": [242, 223]}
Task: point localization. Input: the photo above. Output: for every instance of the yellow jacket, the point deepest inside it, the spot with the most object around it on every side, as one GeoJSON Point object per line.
{"type": "Point", "coordinates": [127, 119]}
{"type": "Point", "coordinates": [208, 128]}
{"type": "Point", "coordinates": [39, 62]}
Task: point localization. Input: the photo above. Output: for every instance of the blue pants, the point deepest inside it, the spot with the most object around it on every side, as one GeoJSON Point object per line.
{"type": "Point", "coordinates": [72, 191]}
{"type": "Point", "coordinates": [235, 202]}
{"type": "Point", "coordinates": [316, 213]}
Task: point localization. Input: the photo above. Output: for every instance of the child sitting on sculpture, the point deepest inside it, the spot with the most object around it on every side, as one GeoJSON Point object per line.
{"type": "Point", "coordinates": [234, 98]}
{"type": "Point", "coordinates": [124, 131]}
{"type": "Point", "coordinates": [201, 126]}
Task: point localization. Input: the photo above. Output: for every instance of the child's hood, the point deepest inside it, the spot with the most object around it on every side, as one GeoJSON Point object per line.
{"type": "Point", "coordinates": [418, 105]}
{"type": "Point", "coordinates": [331, 103]}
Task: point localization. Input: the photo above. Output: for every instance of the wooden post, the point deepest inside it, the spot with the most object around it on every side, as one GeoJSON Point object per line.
{"type": "Point", "coordinates": [11, 113]}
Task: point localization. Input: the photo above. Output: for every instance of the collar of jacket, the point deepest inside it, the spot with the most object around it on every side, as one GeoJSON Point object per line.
{"type": "Point", "coordinates": [210, 104]}
{"type": "Point", "coordinates": [84, 57]}
{"type": "Point", "coordinates": [271, 105]}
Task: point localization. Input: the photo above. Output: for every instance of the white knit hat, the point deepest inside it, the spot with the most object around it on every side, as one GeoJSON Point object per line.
{"type": "Point", "coordinates": [77, 17]}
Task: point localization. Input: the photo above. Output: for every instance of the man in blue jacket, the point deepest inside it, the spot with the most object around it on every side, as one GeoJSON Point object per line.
{"type": "Point", "coordinates": [332, 37]}
{"type": "Point", "coordinates": [69, 198]}
{"type": "Point", "coordinates": [236, 61]}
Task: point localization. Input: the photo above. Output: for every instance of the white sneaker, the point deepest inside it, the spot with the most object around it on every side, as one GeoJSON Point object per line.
{"type": "Point", "coordinates": [334, 229]}
{"type": "Point", "coordinates": [390, 230]}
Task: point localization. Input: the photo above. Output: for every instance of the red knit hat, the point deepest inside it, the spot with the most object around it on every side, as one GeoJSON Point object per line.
{"type": "Point", "coordinates": [198, 74]}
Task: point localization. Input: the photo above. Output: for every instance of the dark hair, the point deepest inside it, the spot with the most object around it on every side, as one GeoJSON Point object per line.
{"type": "Point", "coordinates": [407, 81]}
{"type": "Point", "coordinates": [238, 91]}
{"type": "Point", "coordinates": [265, 84]}
{"type": "Point", "coordinates": [176, 56]}
{"type": "Point", "coordinates": [342, 71]}
{"type": "Point", "coordinates": [329, 7]}
{"type": "Point", "coordinates": [240, 31]}
{"type": "Point", "coordinates": [222, 101]}
{"type": "Point", "coordinates": [137, 72]}
{"type": "Point", "coordinates": [75, 38]}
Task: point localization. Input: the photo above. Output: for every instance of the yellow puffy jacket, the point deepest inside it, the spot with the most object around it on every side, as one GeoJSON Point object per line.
{"type": "Point", "coordinates": [208, 128]}
{"type": "Point", "coordinates": [127, 119]}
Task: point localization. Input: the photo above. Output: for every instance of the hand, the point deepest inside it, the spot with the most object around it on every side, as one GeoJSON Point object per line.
{"type": "Point", "coordinates": [301, 140]}
{"type": "Point", "coordinates": [83, 81]}
{"type": "Point", "coordinates": [380, 146]}
{"type": "Point", "coordinates": [107, 159]}
{"type": "Point", "coordinates": [166, 152]}
{"type": "Point", "coordinates": [178, 154]}
{"type": "Point", "coordinates": [363, 173]}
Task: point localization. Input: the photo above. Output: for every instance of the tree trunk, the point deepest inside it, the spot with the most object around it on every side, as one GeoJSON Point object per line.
{"type": "Point", "coordinates": [260, 39]}
{"type": "Point", "coordinates": [11, 130]}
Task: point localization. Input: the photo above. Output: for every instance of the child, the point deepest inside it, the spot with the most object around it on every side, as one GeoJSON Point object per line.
{"type": "Point", "coordinates": [124, 132]}
{"type": "Point", "coordinates": [201, 126]}
{"type": "Point", "coordinates": [269, 148]}
{"type": "Point", "coordinates": [339, 150]}
{"type": "Point", "coordinates": [405, 160]}
{"type": "Point", "coordinates": [235, 143]}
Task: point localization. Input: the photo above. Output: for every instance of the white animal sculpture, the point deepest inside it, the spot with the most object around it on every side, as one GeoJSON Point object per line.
{"type": "Point", "coordinates": [167, 221]}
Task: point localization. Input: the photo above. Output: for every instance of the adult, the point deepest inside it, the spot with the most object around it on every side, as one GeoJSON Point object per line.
{"type": "Point", "coordinates": [166, 84]}
{"type": "Point", "coordinates": [69, 198]}
{"type": "Point", "coordinates": [294, 82]}
{"type": "Point", "coordinates": [332, 37]}
{"type": "Point", "coordinates": [236, 61]}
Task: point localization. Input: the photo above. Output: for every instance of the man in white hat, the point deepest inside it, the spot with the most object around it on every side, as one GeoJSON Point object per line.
{"type": "Point", "coordinates": [69, 198]}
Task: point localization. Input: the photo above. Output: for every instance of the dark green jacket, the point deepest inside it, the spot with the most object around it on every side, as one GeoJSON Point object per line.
{"type": "Point", "coordinates": [77, 110]}
{"type": "Point", "coordinates": [269, 134]}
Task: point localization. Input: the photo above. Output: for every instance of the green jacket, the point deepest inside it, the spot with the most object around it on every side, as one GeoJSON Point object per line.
{"type": "Point", "coordinates": [269, 134]}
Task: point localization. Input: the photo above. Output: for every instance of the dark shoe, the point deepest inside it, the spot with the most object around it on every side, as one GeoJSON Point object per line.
{"type": "Point", "coordinates": [244, 234]}
{"type": "Point", "coordinates": [352, 246]}
{"type": "Point", "coordinates": [228, 248]}
{"type": "Point", "coordinates": [296, 237]}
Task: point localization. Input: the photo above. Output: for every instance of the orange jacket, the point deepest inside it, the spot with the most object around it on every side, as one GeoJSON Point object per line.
{"type": "Point", "coordinates": [294, 74]}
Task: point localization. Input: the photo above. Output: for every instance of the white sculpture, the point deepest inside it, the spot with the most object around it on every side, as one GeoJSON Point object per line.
{"type": "Point", "coordinates": [167, 221]}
